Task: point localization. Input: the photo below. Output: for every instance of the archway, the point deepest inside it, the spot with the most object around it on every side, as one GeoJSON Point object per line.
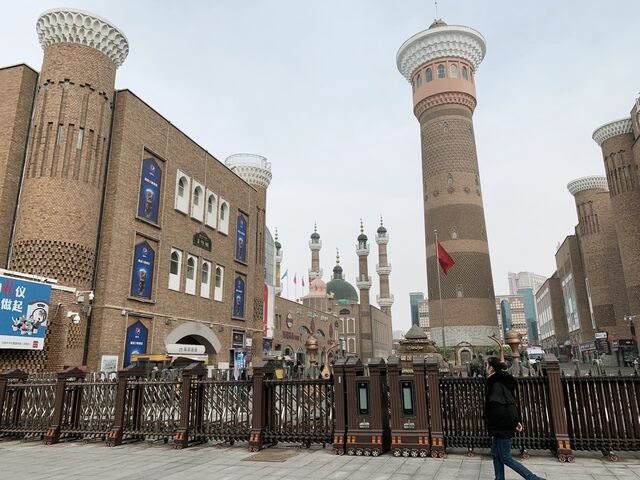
{"type": "Point", "coordinates": [192, 333]}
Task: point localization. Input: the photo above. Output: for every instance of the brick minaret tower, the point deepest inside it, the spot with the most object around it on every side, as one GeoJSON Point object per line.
{"type": "Point", "coordinates": [440, 63]}
{"type": "Point", "coordinates": [315, 244]}
{"type": "Point", "coordinates": [60, 202]}
{"type": "Point", "coordinates": [596, 231]}
{"type": "Point", "coordinates": [256, 171]}
{"type": "Point", "coordinates": [278, 287]}
{"type": "Point", "coordinates": [385, 299]}
{"type": "Point", "coordinates": [363, 282]}
{"type": "Point", "coordinates": [617, 142]}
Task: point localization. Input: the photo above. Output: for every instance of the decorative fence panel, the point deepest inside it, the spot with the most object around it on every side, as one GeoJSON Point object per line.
{"type": "Point", "coordinates": [462, 401]}
{"type": "Point", "coordinates": [603, 412]}
{"type": "Point", "coordinates": [27, 409]}
{"type": "Point", "coordinates": [89, 409]}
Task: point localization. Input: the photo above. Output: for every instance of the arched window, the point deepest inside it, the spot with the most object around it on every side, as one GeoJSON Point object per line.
{"type": "Point", "coordinates": [454, 233]}
{"type": "Point", "coordinates": [217, 291]}
{"type": "Point", "coordinates": [191, 268]}
{"type": "Point", "coordinates": [465, 73]}
{"type": "Point", "coordinates": [459, 292]}
{"type": "Point", "coordinates": [453, 70]}
{"type": "Point", "coordinates": [449, 180]}
{"type": "Point", "coordinates": [218, 277]}
{"type": "Point", "coordinates": [204, 276]}
{"type": "Point", "coordinates": [175, 263]}
{"type": "Point", "coordinates": [418, 81]}
{"type": "Point", "coordinates": [211, 202]}
{"type": "Point", "coordinates": [196, 196]}
{"type": "Point", "coordinates": [181, 184]}
{"type": "Point", "coordinates": [223, 212]}
{"type": "Point", "coordinates": [441, 71]}
{"type": "Point", "coordinates": [429, 74]}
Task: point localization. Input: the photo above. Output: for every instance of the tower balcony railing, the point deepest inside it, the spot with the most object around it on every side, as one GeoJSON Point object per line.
{"type": "Point", "coordinates": [385, 301]}
{"type": "Point", "coordinates": [279, 257]}
{"type": "Point", "coordinates": [362, 250]}
{"type": "Point", "coordinates": [382, 239]}
{"type": "Point", "coordinates": [383, 269]}
{"type": "Point", "coordinates": [363, 282]}
{"type": "Point", "coordinates": [313, 274]}
{"type": "Point", "coordinates": [315, 244]}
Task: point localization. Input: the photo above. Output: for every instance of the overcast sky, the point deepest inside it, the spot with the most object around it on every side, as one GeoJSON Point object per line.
{"type": "Point", "coordinates": [314, 87]}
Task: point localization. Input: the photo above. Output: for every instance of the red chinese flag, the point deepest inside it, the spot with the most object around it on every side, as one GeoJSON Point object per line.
{"type": "Point", "coordinates": [302, 281]}
{"type": "Point", "coordinates": [445, 260]}
{"type": "Point", "coordinates": [295, 279]}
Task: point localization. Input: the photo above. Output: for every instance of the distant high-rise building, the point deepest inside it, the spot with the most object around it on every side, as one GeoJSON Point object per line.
{"type": "Point", "coordinates": [511, 315]}
{"type": "Point", "coordinates": [525, 280]}
{"type": "Point", "coordinates": [414, 298]}
{"type": "Point", "coordinates": [423, 316]}
{"type": "Point", "coordinates": [552, 320]}
{"type": "Point", "coordinates": [269, 258]}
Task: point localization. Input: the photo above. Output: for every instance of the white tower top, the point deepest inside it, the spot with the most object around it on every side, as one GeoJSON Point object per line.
{"type": "Point", "coordinates": [66, 25]}
{"type": "Point", "coordinates": [587, 183]}
{"type": "Point", "coordinates": [438, 41]}
{"type": "Point", "coordinates": [253, 169]}
{"type": "Point", "coordinates": [612, 129]}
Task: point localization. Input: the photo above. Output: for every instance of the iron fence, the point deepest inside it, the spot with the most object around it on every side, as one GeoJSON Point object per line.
{"type": "Point", "coordinates": [27, 409]}
{"type": "Point", "coordinates": [89, 408]}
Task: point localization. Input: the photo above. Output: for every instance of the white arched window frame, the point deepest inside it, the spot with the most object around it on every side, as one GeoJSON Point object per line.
{"type": "Point", "coordinates": [183, 189]}
{"type": "Point", "coordinates": [441, 71]}
{"type": "Point", "coordinates": [223, 217]}
{"type": "Point", "coordinates": [351, 325]}
{"type": "Point", "coordinates": [219, 283]}
{"type": "Point", "coordinates": [211, 212]}
{"type": "Point", "coordinates": [205, 279]}
{"type": "Point", "coordinates": [351, 345]}
{"type": "Point", "coordinates": [191, 275]}
{"type": "Point", "coordinates": [175, 268]}
{"type": "Point", "coordinates": [197, 201]}
{"type": "Point", "coordinates": [453, 70]}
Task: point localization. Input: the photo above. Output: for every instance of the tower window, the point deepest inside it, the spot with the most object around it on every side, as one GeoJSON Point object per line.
{"type": "Point", "coordinates": [80, 138]}
{"type": "Point", "coordinates": [454, 233]}
{"type": "Point", "coordinates": [449, 180]}
{"type": "Point", "coordinates": [465, 73]}
{"type": "Point", "coordinates": [59, 135]}
{"type": "Point", "coordinates": [459, 291]}
{"type": "Point", "coordinates": [453, 70]}
{"type": "Point", "coordinates": [418, 81]}
{"type": "Point", "coordinates": [441, 71]}
{"type": "Point", "coordinates": [429, 74]}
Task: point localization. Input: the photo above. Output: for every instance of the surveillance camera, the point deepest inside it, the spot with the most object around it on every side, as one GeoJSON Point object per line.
{"type": "Point", "coordinates": [91, 296]}
{"type": "Point", "coordinates": [70, 314]}
{"type": "Point", "coordinates": [76, 319]}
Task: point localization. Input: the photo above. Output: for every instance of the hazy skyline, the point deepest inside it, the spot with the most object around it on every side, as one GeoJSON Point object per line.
{"type": "Point", "coordinates": [313, 86]}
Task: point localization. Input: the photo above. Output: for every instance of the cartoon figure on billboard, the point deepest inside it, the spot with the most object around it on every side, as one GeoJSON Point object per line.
{"type": "Point", "coordinates": [148, 204]}
{"type": "Point", "coordinates": [30, 323]}
{"type": "Point", "coordinates": [142, 280]}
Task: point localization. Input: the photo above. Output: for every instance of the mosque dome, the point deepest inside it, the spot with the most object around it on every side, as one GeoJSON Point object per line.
{"type": "Point", "coordinates": [438, 23]}
{"type": "Point", "coordinates": [381, 230]}
{"type": "Point", "coordinates": [278, 245]}
{"type": "Point", "coordinates": [362, 237]}
{"type": "Point", "coordinates": [315, 236]}
{"type": "Point", "coordinates": [341, 289]}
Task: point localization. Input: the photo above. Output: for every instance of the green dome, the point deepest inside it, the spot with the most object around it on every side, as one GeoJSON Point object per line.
{"type": "Point", "coordinates": [315, 236]}
{"type": "Point", "coordinates": [382, 230]}
{"type": "Point", "coordinates": [278, 245]}
{"type": "Point", "coordinates": [362, 237]}
{"type": "Point", "coordinates": [341, 289]}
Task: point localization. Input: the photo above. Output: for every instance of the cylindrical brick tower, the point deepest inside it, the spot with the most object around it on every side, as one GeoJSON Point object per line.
{"type": "Point", "coordinates": [58, 217]}
{"type": "Point", "coordinates": [440, 63]}
{"type": "Point", "coordinates": [315, 244]}
{"type": "Point", "coordinates": [278, 287]}
{"type": "Point", "coordinates": [383, 268]}
{"type": "Point", "coordinates": [363, 282]}
{"type": "Point", "coordinates": [596, 231]}
{"type": "Point", "coordinates": [616, 140]}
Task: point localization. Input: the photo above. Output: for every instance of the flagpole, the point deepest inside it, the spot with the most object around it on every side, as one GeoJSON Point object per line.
{"type": "Point", "coordinates": [295, 286]}
{"type": "Point", "coordinates": [444, 345]}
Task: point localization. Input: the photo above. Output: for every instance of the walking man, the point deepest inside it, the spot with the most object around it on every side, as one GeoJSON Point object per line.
{"type": "Point", "coordinates": [502, 419]}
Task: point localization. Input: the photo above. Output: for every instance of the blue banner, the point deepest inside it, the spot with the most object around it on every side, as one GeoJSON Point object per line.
{"type": "Point", "coordinates": [142, 277]}
{"type": "Point", "coordinates": [149, 198]}
{"type": "Point", "coordinates": [238, 298]}
{"type": "Point", "coordinates": [136, 341]}
{"type": "Point", "coordinates": [24, 313]}
{"type": "Point", "coordinates": [241, 238]}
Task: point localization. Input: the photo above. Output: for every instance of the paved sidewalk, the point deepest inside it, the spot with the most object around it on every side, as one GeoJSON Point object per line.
{"type": "Point", "coordinates": [34, 461]}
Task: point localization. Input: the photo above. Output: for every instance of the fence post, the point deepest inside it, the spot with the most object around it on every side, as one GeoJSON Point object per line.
{"type": "Point", "coordinates": [53, 433]}
{"type": "Point", "coordinates": [551, 369]}
{"type": "Point", "coordinates": [13, 374]}
{"type": "Point", "coordinates": [114, 437]}
{"type": "Point", "coordinates": [197, 370]}
{"type": "Point", "coordinates": [258, 421]}
{"type": "Point", "coordinates": [435, 410]}
{"type": "Point", "coordinates": [380, 434]}
{"type": "Point", "coordinates": [340, 430]}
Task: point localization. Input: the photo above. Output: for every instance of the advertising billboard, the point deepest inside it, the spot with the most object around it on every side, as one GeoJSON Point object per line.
{"type": "Point", "coordinates": [149, 198]}
{"type": "Point", "coordinates": [238, 298]}
{"type": "Point", "coordinates": [24, 313]}
{"type": "Point", "coordinates": [241, 238]}
{"type": "Point", "coordinates": [142, 275]}
{"type": "Point", "coordinates": [136, 342]}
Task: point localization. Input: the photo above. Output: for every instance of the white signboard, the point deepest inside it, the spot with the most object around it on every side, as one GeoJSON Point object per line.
{"type": "Point", "coordinates": [185, 349]}
{"type": "Point", "coordinates": [109, 363]}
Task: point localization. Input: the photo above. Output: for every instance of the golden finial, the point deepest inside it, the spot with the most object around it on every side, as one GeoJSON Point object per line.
{"type": "Point", "coordinates": [380, 219]}
{"type": "Point", "coordinates": [315, 227]}
{"type": "Point", "coordinates": [361, 227]}
{"type": "Point", "coordinates": [337, 256]}
{"type": "Point", "coordinates": [276, 234]}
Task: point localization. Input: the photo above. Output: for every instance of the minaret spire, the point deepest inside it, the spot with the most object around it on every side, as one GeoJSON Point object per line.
{"type": "Point", "coordinates": [363, 282]}
{"type": "Point", "coordinates": [385, 299]}
{"type": "Point", "coordinates": [315, 244]}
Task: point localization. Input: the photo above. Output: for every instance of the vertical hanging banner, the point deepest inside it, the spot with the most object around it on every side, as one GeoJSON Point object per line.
{"type": "Point", "coordinates": [269, 302]}
{"type": "Point", "coordinates": [150, 182]}
{"type": "Point", "coordinates": [142, 276]}
{"type": "Point", "coordinates": [241, 238]}
{"type": "Point", "coordinates": [24, 313]}
{"type": "Point", "coordinates": [136, 341]}
{"type": "Point", "coordinates": [238, 298]}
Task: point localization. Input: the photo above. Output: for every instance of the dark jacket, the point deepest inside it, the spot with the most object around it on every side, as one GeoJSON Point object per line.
{"type": "Point", "coordinates": [501, 412]}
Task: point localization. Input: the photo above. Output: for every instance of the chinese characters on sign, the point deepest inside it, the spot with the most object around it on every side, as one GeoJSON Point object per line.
{"type": "Point", "coordinates": [142, 275]}
{"type": "Point", "coordinates": [24, 313]}
{"type": "Point", "coordinates": [150, 182]}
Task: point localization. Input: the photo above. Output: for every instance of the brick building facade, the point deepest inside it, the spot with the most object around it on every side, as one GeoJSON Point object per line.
{"type": "Point", "coordinates": [116, 201]}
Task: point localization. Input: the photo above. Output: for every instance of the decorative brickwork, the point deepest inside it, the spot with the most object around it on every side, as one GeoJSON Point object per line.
{"type": "Point", "coordinates": [454, 151]}
{"type": "Point", "coordinates": [69, 263]}
{"type": "Point", "coordinates": [447, 98]}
